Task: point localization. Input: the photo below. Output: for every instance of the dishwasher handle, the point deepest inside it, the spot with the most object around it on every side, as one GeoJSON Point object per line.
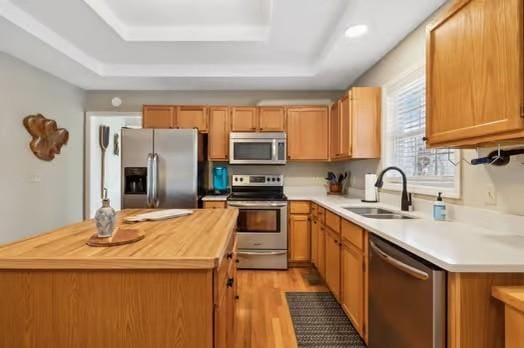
{"type": "Point", "coordinates": [412, 271]}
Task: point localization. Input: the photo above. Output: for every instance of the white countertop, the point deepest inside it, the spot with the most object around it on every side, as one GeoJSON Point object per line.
{"type": "Point", "coordinates": [453, 246]}
{"type": "Point", "coordinates": [215, 197]}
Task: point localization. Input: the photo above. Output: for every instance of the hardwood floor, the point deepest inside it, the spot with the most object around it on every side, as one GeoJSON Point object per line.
{"type": "Point", "coordinates": [262, 315]}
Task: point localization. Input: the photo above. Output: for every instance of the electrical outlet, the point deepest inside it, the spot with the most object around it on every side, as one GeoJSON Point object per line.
{"type": "Point", "coordinates": [491, 195]}
{"type": "Point", "coordinates": [35, 179]}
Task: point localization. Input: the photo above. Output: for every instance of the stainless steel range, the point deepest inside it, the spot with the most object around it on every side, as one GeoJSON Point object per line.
{"type": "Point", "coordinates": [262, 220]}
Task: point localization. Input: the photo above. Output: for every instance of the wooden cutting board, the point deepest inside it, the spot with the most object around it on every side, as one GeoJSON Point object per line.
{"type": "Point", "coordinates": [120, 237]}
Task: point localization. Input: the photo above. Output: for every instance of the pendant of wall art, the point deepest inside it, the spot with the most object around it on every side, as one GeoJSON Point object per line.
{"type": "Point", "coordinates": [47, 138]}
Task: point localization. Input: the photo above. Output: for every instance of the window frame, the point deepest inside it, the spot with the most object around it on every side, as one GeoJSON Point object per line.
{"type": "Point", "coordinates": [390, 183]}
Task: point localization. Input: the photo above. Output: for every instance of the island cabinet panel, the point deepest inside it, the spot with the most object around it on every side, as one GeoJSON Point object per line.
{"type": "Point", "coordinates": [192, 117]}
{"type": "Point", "coordinates": [244, 119]}
{"type": "Point", "coordinates": [271, 119]}
{"type": "Point", "coordinates": [106, 308]}
{"type": "Point", "coordinates": [475, 319]}
{"type": "Point", "coordinates": [218, 138]}
{"type": "Point", "coordinates": [475, 74]}
{"type": "Point", "coordinates": [158, 116]}
{"type": "Point", "coordinates": [307, 132]}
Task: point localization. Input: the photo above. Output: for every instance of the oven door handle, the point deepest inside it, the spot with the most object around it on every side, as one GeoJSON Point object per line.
{"type": "Point", "coordinates": [412, 271]}
{"type": "Point", "coordinates": [258, 204]}
{"type": "Point", "coordinates": [262, 253]}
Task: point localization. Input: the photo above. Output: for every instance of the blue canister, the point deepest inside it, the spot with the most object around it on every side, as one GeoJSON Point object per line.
{"type": "Point", "coordinates": [220, 178]}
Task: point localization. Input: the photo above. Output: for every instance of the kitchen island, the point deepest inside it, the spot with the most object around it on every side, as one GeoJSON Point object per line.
{"type": "Point", "coordinates": [174, 288]}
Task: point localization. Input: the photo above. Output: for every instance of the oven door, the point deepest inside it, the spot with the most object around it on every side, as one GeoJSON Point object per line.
{"type": "Point", "coordinates": [257, 151]}
{"type": "Point", "coordinates": [261, 225]}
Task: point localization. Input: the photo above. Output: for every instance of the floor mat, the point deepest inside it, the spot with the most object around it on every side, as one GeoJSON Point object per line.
{"type": "Point", "coordinates": [319, 321]}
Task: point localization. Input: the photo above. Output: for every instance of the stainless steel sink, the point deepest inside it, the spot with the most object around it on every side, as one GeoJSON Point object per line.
{"type": "Point", "coordinates": [388, 216]}
{"type": "Point", "coordinates": [368, 210]}
{"type": "Point", "coordinates": [378, 213]}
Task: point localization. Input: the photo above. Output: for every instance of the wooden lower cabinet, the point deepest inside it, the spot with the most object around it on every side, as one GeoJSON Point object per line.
{"type": "Point", "coordinates": [352, 285]}
{"type": "Point", "coordinates": [315, 229]}
{"type": "Point", "coordinates": [214, 204]}
{"type": "Point", "coordinates": [332, 265]}
{"type": "Point", "coordinates": [299, 236]}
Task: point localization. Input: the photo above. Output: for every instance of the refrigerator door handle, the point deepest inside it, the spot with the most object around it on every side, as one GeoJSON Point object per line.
{"type": "Point", "coordinates": [156, 200]}
{"type": "Point", "coordinates": [149, 184]}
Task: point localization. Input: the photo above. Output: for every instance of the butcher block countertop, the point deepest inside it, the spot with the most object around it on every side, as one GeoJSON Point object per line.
{"type": "Point", "coordinates": [196, 241]}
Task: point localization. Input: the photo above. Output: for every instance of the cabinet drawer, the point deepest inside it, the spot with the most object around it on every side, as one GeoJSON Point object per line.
{"type": "Point", "coordinates": [214, 204]}
{"type": "Point", "coordinates": [353, 234]}
{"type": "Point", "coordinates": [299, 207]}
{"type": "Point", "coordinates": [321, 213]}
{"type": "Point", "coordinates": [333, 221]}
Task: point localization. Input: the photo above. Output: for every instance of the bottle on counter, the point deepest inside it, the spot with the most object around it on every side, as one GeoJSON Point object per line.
{"type": "Point", "coordinates": [105, 218]}
{"type": "Point", "coordinates": [439, 209]}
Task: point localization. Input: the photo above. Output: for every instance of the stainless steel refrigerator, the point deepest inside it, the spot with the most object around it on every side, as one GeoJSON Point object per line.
{"type": "Point", "coordinates": [160, 168]}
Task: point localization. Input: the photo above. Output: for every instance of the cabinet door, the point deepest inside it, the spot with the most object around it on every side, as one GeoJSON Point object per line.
{"type": "Point", "coordinates": [365, 114]}
{"type": "Point", "coordinates": [158, 116]}
{"type": "Point", "coordinates": [307, 130]}
{"type": "Point", "coordinates": [244, 119]}
{"type": "Point", "coordinates": [333, 263]}
{"type": "Point", "coordinates": [271, 119]}
{"type": "Point", "coordinates": [334, 131]}
{"type": "Point", "coordinates": [321, 250]}
{"type": "Point", "coordinates": [474, 71]}
{"type": "Point", "coordinates": [299, 238]}
{"type": "Point", "coordinates": [192, 117]}
{"type": "Point", "coordinates": [345, 126]}
{"type": "Point", "coordinates": [352, 285]}
{"type": "Point", "coordinates": [218, 139]}
{"type": "Point", "coordinates": [315, 228]}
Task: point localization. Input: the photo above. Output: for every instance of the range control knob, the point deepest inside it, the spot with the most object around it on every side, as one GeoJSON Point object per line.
{"type": "Point", "coordinates": [278, 179]}
{"type": "Point", "coordinates": [241, 179]}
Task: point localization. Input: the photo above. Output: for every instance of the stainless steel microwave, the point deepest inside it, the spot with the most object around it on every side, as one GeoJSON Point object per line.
{"type": "Point", "coordinates": [257, 148]}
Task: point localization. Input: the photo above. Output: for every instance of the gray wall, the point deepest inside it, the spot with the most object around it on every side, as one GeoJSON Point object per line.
{"type": "Point", "coordinates": [477, 181]}
{"type": "Point", "coordinates": [133, 100]}
{"type": "Point", "coordinates": [28, 207]}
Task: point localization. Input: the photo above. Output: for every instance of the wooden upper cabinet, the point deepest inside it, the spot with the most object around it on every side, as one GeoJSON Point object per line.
{"type": "Point", "coordinates": [271, 119]}
{"type": "Point", "coordinates": [192, 117]}
{"type": "Point", "coordinates": [474, 73]}
{"type": "Point", "coordinates": [307, 133]}
{"type": "Point", "coordinates": [158, 116]}
{"type": "Point", "coordinates": [244, 119]}
{"type": "Point", "coordinates": [344, 123]}
{"type": "Point", "coordinates": [218, 138]}
{"type": "Point", "coordinates": [334, 131]}
{"type": "Point", "coordinates": [365, 114]}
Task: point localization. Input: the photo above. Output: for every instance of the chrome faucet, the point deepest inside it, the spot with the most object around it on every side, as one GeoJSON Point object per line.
{"type": "Point", "coordinates": [406, 198]}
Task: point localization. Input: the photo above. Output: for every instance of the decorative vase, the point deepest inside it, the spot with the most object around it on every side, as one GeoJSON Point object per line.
{"type": "Point", "coordinates": [105, 218]}
{"type": "Point", "coordinates": [335, 187]}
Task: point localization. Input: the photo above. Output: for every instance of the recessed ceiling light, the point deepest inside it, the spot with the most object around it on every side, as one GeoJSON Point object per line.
{"type": "Point", "coordinates": [356, 30]}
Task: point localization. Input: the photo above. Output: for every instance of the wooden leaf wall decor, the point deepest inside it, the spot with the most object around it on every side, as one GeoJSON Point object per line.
{"type": "Point", "coordinates": [47, 138]}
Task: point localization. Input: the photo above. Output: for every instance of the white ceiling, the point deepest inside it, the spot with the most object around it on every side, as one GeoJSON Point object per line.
{"type": "Point", "coordinates": [206, 44]}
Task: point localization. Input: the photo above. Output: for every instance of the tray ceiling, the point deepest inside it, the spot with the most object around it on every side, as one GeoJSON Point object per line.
{"type": "Point", "coordinates": [206, 44]}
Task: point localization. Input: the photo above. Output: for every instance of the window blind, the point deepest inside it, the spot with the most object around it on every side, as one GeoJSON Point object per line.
{"type": "Point", "coordinates": [406, 107]}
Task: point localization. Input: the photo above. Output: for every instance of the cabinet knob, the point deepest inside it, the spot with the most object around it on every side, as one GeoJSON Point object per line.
{"type": "Point", "coordinates": [425, 138]}
{"type": "Point", "coordinates": [230, 282]}
{"type": "Point", "coordinates": [237, 261]}
{"type": "Point", "coordinates": [229, 255]}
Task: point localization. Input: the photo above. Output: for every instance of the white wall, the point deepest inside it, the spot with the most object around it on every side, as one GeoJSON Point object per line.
{"type": "Point", "coordinates": [478, 182]}
{"type": "Point", "coordinates": [133, 100]}
{"type": "Point", "coordinates": [115, 122]}
{"type": "Point", "coordinates": [28, 207]}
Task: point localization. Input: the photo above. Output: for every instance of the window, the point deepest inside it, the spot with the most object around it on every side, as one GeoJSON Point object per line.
{"type": "Point", "coordinates": [428, 170]}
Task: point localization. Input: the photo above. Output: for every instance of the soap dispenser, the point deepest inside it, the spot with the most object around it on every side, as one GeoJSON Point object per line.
{"type": "Point", "coordinates": [105, 218]}
{"type": "Point", "coordinates": [439, 209]}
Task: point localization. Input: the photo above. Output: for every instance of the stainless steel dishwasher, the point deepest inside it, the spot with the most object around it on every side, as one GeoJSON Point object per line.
{"type": "Point", "coordinates": [407, 299]}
